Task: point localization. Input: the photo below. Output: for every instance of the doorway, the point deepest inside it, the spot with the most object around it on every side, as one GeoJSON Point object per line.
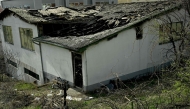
{"type": "Point", "coordinates": [77, 70]}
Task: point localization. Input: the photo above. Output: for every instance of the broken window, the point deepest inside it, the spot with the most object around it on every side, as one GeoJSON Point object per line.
{"type": "Point", "coordinates": [170, 30]}
{"type": "Point", "coordinates": [34, 75]}
{"type": "Point", "coordinates": [80, 3]}
{"type": "Point", "coordinates": [139, 32]}
{"type": "Point", "coordinates": [26, 36]}
{"type": "Point", "coordinates": [99, 3]}
{"type": "Point", "coordinates": [12, 63]}
{"type": "Point", "coordinates": [40, 30]}
{"type": "Point", "coordinates": [8, 34]}
{"type": "Point", "coordinates": [76, 4]}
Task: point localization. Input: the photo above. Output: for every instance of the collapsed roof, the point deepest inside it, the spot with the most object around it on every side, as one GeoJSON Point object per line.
{"type": "Point", "coordinates": [51, 16]}
{"type": "Point", "coordinates": [90, 24]}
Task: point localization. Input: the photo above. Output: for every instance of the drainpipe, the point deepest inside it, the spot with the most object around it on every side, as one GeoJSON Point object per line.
{"type": "Point", "coordinates": [85, 74]}
{"type": "Point", "coordinates": [42, 62]}
{"type": "Point", "coordinates": [2, 6]}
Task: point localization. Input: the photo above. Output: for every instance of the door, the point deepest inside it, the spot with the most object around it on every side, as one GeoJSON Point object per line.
{"type": "Point", "coordinates": [77, 70]}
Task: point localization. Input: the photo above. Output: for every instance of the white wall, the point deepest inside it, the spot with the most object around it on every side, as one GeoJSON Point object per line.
{"type": "Point", "coordinates": [28, 59]}
{"type": "Point", "coordinates": [57, 61]}
{"type": "Point", "coordinates": [124, 55]}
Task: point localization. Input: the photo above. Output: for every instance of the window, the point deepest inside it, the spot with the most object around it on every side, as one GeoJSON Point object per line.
{"type": "Point", "coordinates": [26, 36]}
{"type": "Point", "coordinates": [166, 31]}
{"type": "Point", "coordinates": [12, 63]}
{"type": "Point", "coordinates": [139, 33]}
{"type": "Point", "coordinates": [99, 3]}
{"type": "Point", "coordinates": [76, 4]}
{"type": "Point", "coordinates": [31, 73]}
{"type": "Point", "coordinates": [8, 34]}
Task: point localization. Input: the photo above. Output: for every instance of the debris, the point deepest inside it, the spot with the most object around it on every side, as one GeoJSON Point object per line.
{"type": "Point", "coordinates": [73, 98]}
{"type": "Point", "coordinates": [61, 93]}
{"type": "Point", "coordinates": [89, 98]}
{"type": "Point", "coordinates": [50, 94]}
{"type": "Point", "coordinates": [37, 99]}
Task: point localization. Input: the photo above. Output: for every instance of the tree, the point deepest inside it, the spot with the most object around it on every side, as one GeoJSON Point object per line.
{"type": "Point", "coordinates": [174, 30]}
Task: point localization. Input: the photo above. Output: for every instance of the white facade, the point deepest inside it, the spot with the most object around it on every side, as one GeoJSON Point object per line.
{"type": "Point", "coordinates": [124, 56]}
{"type": "Point", "coordinates": [57, 62]}
{"type": "Point", "coordinates": [26, 58]}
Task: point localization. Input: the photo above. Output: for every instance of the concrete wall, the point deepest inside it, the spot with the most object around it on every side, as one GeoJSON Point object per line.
{"type": "Point", "coordinates": [124, 56]}
{"type": "Point", "coordinates": [146, 0]}
{"type": "Point", "coordinates": [57, 61]}
{"type": "Point", "coordinates": [25, 58]}
{"type": "Point", "coordinates": [17, 3]}
{"type": "Point", "coordinates": [48, 1]}
{"type": "Point", "coordinates": [124, 1]}
{"type": "Point", "coordinates": [38, 4]}
{"type": "Point", "coordinates": [60, 2]}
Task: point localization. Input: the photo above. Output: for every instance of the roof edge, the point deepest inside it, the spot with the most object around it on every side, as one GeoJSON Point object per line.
{"type": "Point", "coordinates": [55, 44]}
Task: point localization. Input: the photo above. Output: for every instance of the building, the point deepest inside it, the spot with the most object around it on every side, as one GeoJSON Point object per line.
{"type": "Point", "coordinates": [87, 47]}
{"type": "Point", "coordinates": [28, 4]}
{"type": "Point", "coordinates": [43, 4]}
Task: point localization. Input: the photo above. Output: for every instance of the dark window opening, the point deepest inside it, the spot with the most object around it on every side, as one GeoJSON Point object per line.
{"type": "Point", "coordinates": [77, 68]}
{"type": "Point", "coordinates": [139, 33]}
{"type": "Point", "coordinates": [31, 73]}
{"type": "Point", "coordinates": [12, 63]}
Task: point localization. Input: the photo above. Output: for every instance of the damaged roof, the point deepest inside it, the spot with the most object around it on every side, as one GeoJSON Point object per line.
{"type": "Point", "coordinates": [92, 24]}
{"type": "Point", "coordinates": [51, 15]}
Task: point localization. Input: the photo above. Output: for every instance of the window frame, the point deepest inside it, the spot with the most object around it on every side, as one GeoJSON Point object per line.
{"type": "Point", "coordinates": [5, 34]}
{"type": "Point", "coordinates": [25, 38]}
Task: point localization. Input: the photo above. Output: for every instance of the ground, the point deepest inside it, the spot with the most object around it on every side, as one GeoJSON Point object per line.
{"type": "Point", "coordinates": [169, 91]}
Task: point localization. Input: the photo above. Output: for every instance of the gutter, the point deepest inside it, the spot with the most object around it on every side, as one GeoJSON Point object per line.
{"type": "Point", "coordinates": [55, 44]}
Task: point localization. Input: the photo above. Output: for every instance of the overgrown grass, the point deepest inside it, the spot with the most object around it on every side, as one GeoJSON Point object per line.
{"type": "Point", "coordinates": [171, 90]}
{"type": "Point", "coordinates": [32, 107]}
{"type": "Point", "coordinates": [24, 86]}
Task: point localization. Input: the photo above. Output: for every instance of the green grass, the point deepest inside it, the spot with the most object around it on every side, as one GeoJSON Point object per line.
{"type": "Point", "coordinates": [32, 107]}
{"type": "Point", "coordinates": [24, 86]}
